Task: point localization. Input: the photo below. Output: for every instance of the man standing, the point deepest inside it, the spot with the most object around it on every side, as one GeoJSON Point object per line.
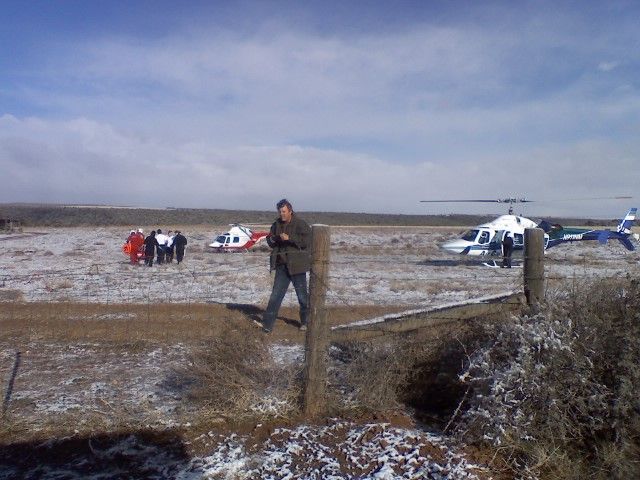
{"type": "Point", "coordinates": [507, 250]}
{"type": "Point", "coordinates": [289, 239]}
{"type": "Point", "coordinates": [150, 244]}
{"type": "Point", "coordinates": [168, 254]}
{"type": "Point", "coordinates": [179, 243]}
{"type": "Point", "coordinates": [162, 245]}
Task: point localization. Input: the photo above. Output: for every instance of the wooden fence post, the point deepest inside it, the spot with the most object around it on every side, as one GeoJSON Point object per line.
{"type": "Point", "coordinates": [12, 379]}
{"type": "Point", "coordinates": [317, 340]}
{"type": "Point", "coordinates": [534, 265]}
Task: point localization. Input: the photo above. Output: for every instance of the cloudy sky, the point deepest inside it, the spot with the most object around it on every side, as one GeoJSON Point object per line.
{"type": "Point", "coordinates": [341, 106]}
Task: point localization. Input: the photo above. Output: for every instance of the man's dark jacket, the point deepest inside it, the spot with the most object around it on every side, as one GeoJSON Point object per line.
{"type": "Point", "coordinates": [293, 252]}
{"type": "Point", "coordinates": [179, 241]}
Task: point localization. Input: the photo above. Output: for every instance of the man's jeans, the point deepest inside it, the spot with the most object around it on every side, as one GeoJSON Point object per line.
{"type": "Point", "coordinates": [280, 285]}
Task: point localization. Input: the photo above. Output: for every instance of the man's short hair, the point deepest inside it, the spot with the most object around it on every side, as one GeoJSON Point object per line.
{"type": "Point", "coordinates": [284, 203]}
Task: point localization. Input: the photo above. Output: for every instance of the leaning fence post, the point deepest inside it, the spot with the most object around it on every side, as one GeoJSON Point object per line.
{"type": "Point", "coordinates": [10, 383]}
{"type": "Point", "coordinates": [317, 339]}
{"type": "Point", "coordinates": [534, 265]}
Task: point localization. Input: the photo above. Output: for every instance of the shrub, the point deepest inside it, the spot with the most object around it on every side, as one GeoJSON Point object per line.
{"type": "Point", "coordinates": [558, 390]}
{"type": "Point", "coordinates": [372, 374]}
{"type": "Point", "coordinates": [234, 375]}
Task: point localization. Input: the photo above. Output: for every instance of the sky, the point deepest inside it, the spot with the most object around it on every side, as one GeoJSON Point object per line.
{"type": "Point", "coordinates": [338, 106]}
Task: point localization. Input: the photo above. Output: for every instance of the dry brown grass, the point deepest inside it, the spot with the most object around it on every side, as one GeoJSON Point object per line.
{"type": "Point", "coordinates": [10, 295]}
{"type": "Point", "coordinates": [419, 369]}
{"type": "Point", "coordinates": [169, 323]}
{"type": "Point", "coordinates": [232, 373]}
{"type": "Point", "coordinates": [72, 322]}
{"type": "Point", "coordinates": [229, 368]}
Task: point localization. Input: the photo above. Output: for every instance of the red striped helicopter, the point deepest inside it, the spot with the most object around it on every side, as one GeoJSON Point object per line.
{"type": "Point", "coordinates": [239, 238]}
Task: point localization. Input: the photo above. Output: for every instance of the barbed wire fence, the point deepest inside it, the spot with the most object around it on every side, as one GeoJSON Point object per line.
{"type": "Point", "coordinates": [351, 280]}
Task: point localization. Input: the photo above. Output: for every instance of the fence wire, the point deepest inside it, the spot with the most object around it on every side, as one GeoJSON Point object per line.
{"type": "Point", "coordinates": [406, 278]}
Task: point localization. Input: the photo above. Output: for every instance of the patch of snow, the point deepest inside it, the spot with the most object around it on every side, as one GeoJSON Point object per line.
{"type": "Point", "coordinates": [287, 354]}
{"type": "Point", "coordinates": [342, 450]}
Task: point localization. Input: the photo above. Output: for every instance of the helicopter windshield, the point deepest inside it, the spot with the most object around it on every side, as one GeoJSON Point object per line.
{"type": "Point", "coordinates": [220, 239]}
{"type": "Point", "coordinates": [470, 235]}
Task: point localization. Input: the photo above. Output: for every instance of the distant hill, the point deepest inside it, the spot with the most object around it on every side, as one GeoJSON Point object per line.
{"type": "Point", "coordinates": [38, 215]}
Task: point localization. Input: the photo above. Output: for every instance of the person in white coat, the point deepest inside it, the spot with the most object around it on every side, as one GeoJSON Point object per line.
{"type": "Point", "coordinates": [162, 245]}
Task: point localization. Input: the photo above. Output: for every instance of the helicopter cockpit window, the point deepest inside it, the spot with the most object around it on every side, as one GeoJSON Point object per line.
{"type": "Point", "coordinates": [470, 235]}
{"type": "Point", "coordinates": [484, 238]}
{"type": "Point", "coordinates": [220, 239]}
{"type": "Point", "coordinates": [227, 239]}
{"type": "Point", "coordinates": [518, 239]}
{"type": "Point", "coordinates": [236, 239]}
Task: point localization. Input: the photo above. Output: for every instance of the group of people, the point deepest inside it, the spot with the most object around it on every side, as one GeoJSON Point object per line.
{"type": "Point", "coordinates": [157, 245]}
{"type": "Point", "coordinates": [289, 239]}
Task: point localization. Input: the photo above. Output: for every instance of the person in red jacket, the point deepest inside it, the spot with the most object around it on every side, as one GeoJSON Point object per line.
{"type": "Point", "coordinates": [129, 247]}
{"type": "Point", "coordinates": [136, 240]}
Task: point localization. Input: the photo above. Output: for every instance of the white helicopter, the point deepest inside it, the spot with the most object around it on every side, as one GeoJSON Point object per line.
{"type": "Point", "coordinates": [239, 238]}
{"type": "Point", "coordinates": [486, 239]}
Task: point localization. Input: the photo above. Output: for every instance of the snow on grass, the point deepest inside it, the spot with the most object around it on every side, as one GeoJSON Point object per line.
{"type": "Point", "coordinates": [90, 378]}
{"type": "Point", "coordinates": [370, 267]}
{"type": "Point", "coordinates": [385, 267]}
{"type": "Point", "coordinates": [340, 450]}
{"type": "Point", "coordinates": [287, 354]}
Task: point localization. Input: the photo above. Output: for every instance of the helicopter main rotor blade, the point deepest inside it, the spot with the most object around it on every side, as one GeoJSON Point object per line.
{"type": "Point", "coordinates": [524, 200]}
{"type": "Point", "coordinates": [456, 201]}
{"type": "Point", "coordinates": [620, 197]}
{"type": "Point", "coordinates": [500, 200]}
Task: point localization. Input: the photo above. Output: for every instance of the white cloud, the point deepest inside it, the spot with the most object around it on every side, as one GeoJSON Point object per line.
{"type": "Point", "coordinates": [372, 121]}
{"type": "Point", "coordinates": [78, 160]}
{"type": "Point", "coordinates": [608, 66]}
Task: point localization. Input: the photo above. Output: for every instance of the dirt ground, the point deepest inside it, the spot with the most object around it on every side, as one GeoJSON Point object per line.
{"type": "Point", "coordinates": [89, 386]}
{"type": "Point", "coordinates": [113, 355]}
{"type": "Point", "coordinates": [93, 350]}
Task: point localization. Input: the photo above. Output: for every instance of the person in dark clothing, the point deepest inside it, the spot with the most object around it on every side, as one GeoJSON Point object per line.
{"type": "Point", "coordinates": [179, 244]}
{"type": "Point", "coordinates": [150, 245]}
{"type": "Point", "coordinates": [169, 251]}
{"type": "Point", "coordinates": [507, 250]}
{"type": "Point", "coordinates": [289, 240]}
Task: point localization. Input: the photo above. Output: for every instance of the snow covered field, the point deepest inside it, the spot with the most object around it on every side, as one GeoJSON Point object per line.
{"type": "Point", "coordinates": [86, 381]}
{"type": "Point", "coordinates": [391, 266]}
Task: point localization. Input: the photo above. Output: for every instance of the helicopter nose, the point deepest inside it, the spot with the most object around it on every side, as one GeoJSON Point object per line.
{"type": "Point", "coordinates": [456, 246]}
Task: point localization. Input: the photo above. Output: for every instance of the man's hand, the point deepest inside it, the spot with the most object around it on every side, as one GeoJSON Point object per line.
{"type": "Point", "coordinates": [284, 237]}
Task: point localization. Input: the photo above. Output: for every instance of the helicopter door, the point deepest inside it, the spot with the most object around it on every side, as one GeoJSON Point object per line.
{"type": "Point", "coordinates": [484, 237]}
{"type": "Point", "coordinates": [498, 236]}
{"type": "Point", "coordinates": [495, 245]}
